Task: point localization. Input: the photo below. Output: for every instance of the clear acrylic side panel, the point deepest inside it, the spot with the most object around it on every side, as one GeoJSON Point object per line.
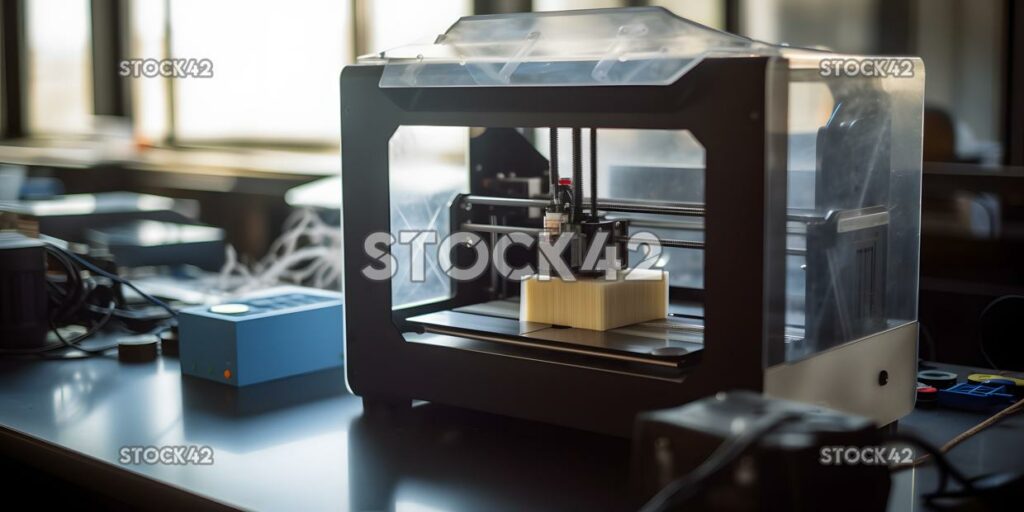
{"type": "Point", "coordinates": [853, 202]}
{"type": "Point", "coordinates": [428, 168]}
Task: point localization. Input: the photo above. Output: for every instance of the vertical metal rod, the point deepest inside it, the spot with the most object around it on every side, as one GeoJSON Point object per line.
{"type": "Point", "coordinates": [577, 175]}
{"type": "Point", "coordinates": [593, 173]}
{"type": "Point", "coordinates": [553, 135]}
{"type": "Point", "coordinates": [494, 269]}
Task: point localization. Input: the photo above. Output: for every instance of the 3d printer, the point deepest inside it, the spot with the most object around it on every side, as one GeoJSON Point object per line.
{"type": "Point", "coordinates": [783, 186]}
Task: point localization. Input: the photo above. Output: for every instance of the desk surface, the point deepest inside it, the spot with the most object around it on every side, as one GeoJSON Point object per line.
{"type": "Point", "coordinates": [305, 444]}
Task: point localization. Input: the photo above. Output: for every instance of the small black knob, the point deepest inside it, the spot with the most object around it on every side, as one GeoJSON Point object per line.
{"type": "Point", "coordinates": [137, 349]}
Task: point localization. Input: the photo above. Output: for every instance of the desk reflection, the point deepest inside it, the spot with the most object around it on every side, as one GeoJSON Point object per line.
{"type": "Point", "coordinates": [437, 458]}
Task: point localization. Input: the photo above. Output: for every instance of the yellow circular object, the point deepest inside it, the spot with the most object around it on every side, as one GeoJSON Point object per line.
{"type": "Point", "coordinates": [978, 378]}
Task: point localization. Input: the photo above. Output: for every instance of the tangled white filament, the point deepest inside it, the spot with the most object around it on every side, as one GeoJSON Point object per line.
{"type": "Point", "coordinates": [308, 253]}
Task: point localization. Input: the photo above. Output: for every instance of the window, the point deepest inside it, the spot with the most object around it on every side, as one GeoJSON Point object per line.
{"type": "Point", "coordinates": [59, 67]}
{"type": "Point", "coordinates": [392, 23]}
{"type": "Point", "coordinates": [275, 64]}
{"type": "Point", "coordinates": [848, 27]}
{"type": "Point", "coordinates": [275, 69]}
{"type": "Point", "coordinates": [564, 5]}
{"type": "Point", "coordinates": [962, 44]}
{"type": "Point", "coordinates": [706, 12]}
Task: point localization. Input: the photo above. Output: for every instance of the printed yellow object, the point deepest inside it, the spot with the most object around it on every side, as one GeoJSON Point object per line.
{"type": "Point", "coordinates": [594, 302]}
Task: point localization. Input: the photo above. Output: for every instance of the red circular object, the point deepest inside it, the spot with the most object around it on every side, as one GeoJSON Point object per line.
{"type": "Point", "coordinates": [928, 389]}
{"type": "Point", "coordinates": [565, 181]}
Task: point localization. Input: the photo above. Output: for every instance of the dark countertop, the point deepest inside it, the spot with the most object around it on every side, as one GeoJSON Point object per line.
{"type": "Point", "coordinates": [305, 444]}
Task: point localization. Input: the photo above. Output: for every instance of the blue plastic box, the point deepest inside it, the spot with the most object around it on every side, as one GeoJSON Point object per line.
{"type": "Point", "coordinates": [976, 397]}
{"type": "Point", "coordinates": [277, 333]}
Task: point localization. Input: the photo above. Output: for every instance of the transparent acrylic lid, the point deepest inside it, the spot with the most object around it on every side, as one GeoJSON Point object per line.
{"type": "Point", "coordinates": [630, 46]}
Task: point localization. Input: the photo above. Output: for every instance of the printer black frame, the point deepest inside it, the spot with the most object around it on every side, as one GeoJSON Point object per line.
{"type": "Point", "coordinates": [726, 103]}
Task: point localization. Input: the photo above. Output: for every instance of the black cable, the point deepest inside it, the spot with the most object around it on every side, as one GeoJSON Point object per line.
{"type": "Point", "coordinates": [65, 300]}
{"type": "Point", "coordinates": [69, 297]}
{"type": "Point", "coordinates": [675, 495]}
{"type": "Point", "coordinates": [684, 488]}
{"type": "Point", "coordinates": [64, 343]}
{"type": "Point", "coordinates": [124, 314]}
{"type": "Point", "coordinates": [30, 351]}
{"type": "Point", "coordinates": [946, 469]}
{"type": "Point", "coordinates": [114, 277]}
{"type": "Point", "coordinates": [577, 175]}
{"type": "Point", "coordinates": [89, 332]}
{"type": "Point", "coordinates": [593, 173]}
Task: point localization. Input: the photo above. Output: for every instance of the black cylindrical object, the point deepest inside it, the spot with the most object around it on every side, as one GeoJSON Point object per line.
{"type": "Point", "coordinates": [137, 349]}
{"type": "Point", "coordinates": [553, 135]}
{"type": "Point", "coordinates": [593, 173]}
{"type": "Point", "coordinates": [23, 307]}
{"type": "Point", "coordinates": [577, 175]}
{"type": "Point", "coordinates": [169, 342]}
